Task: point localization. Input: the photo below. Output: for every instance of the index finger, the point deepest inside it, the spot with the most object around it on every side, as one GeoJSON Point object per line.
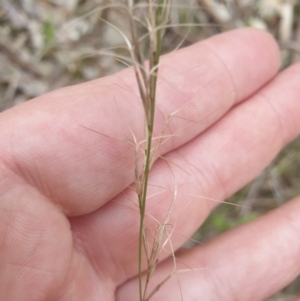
{"type": "Point", "coordinates": [46, 141]}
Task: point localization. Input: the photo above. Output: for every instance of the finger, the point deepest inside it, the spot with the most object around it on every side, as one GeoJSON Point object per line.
{"type": "Point", "coordinates": [261, 257]}
{"type": "Point", "coordinates": [48, 142]}
{"type": "Point", "coordinates": [211, 167]}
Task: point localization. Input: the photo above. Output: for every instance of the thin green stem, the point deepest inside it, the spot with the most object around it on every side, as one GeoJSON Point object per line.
{"type": "Point", "coordinates": [143, 201]}
{"type": "Point", "coordinates": [157, 16]}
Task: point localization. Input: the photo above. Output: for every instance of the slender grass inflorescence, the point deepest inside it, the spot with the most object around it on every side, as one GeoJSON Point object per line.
{"type": "Point", "coordinates": [146, 77]}
{"type": "Point", "coordinates": [154, 21]}
{"type": "Point", "coordinates": [148, 21]}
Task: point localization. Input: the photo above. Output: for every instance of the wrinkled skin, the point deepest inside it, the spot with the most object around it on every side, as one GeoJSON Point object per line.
{"type": "Point", "coordinates": [69, 222]}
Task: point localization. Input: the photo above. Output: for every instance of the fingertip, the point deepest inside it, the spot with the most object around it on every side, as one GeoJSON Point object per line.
{"type": "Point", "coordinates": [255, 50]}
{"type": "Point", "coordinates": [283, 93]}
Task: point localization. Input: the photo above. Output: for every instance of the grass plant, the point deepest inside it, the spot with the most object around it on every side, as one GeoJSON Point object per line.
{"type": "Point", "coordinates": [146, 77]}
{"type": "Point", "coordinates": [148, 21]}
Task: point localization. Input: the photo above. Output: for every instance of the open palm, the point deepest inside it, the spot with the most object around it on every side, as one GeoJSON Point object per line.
{"type": "Point", "coordinates": [68, 223]}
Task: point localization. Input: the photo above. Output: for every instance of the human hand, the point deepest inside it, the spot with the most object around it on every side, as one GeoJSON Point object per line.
{"type": "Point", "coordinates": [68, 225]}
